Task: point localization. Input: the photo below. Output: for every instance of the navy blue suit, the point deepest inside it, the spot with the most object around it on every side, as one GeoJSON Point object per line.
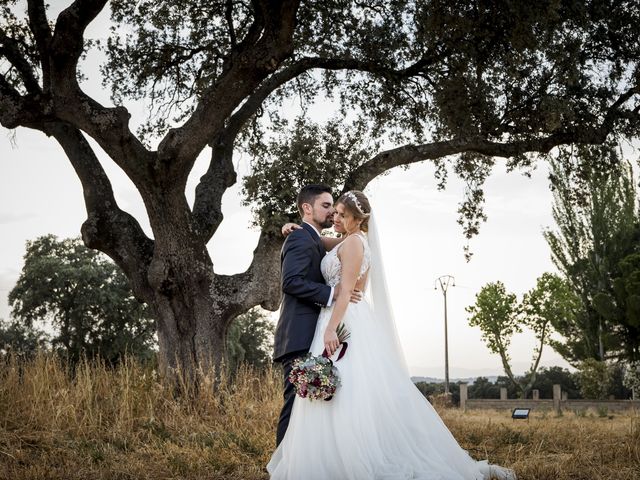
{"type": "Point", "coordinates": [304, 293]}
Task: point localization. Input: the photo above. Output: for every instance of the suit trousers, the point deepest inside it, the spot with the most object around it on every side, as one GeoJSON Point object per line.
{"type": "Point", "coordinates": [289, 393]}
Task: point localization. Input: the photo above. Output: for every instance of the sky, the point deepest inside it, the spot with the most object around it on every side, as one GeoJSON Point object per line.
{"type": "Point", "coordinates": [420, 236]}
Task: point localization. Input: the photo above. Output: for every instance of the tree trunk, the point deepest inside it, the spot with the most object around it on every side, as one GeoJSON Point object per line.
{"type": "Point", "coordinates": [182, 279]}
{"type": "Point", "coordinates": [193, 306]}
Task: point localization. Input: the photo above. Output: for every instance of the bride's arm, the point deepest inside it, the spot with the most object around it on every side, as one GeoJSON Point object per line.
{"type": "Point", "coordinates": [351, 255]}
{"type": "Point", "coordinates": [327, 242]}
{"type": "Point", "coordinates": [330, 242]}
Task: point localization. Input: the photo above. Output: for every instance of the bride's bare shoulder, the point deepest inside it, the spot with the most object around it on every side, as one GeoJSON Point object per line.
{"type": "Point", "coordinates": [351, 246]}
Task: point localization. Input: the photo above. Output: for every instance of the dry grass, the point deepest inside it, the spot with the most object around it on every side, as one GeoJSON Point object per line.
{"type": "Point", "coordinates": [124, 424]}
{"type": "Point", "coordinates": [548, 447]}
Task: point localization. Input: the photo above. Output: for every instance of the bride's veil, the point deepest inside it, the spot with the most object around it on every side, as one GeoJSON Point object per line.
{"type": "Point", "coordinates": [378, 297]}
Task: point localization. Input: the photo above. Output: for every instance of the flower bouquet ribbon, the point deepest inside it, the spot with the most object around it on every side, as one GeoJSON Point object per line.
{"type": "Point", "coordinates": [316, 378]}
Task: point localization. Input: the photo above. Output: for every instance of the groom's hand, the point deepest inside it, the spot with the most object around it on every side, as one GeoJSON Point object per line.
{"type": "Point", "coordinates": [355, 295]}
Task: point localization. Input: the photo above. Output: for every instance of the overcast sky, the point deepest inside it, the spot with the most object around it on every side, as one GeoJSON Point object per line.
{"type": "Point", "coordinates": [40, 194]}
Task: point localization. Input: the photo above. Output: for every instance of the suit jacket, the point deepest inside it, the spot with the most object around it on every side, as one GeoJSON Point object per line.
{"type": "Point", "coordinates": [304, 292]}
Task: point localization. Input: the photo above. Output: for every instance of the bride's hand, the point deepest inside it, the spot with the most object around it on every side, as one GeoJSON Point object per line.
{"type": "Point", "coordinates": [287, 228]}
{"type": "Point", "coordinates": [331, 341]}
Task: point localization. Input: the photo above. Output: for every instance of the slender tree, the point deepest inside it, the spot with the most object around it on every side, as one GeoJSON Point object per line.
{"type": "Point", "coordinates": [499, 316]}
{"type": "Point", "coordinates": [437, 78]}
{"type": "Point", "coordinates": [496, 313]}
{"type": "Point", "coordinates": [550, 301]}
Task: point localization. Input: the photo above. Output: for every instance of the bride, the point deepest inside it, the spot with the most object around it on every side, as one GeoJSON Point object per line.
{"type": "Point", "coordinates": [378, 425]}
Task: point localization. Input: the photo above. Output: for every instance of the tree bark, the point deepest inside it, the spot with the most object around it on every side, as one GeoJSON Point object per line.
{"type": "Point", "coordinates": [192, 305]}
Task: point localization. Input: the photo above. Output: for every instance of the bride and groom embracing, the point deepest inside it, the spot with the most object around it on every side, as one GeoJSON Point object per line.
{"type": "Point", "coordinates": [377, 425]}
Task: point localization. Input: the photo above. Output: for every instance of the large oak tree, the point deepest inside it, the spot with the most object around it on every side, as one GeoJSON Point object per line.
{"type": "Point", "coordinates": [465, 81]}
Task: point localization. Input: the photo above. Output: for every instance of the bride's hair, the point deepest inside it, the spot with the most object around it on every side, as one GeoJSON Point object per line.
{"type": "Point", "coordinates": [358, 205]}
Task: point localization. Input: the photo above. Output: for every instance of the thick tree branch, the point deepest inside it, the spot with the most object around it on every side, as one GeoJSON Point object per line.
{"type": "Point", "coordinates": [110, 128]}
{"type": "Point", "coordinates": [42, 33]}
{"type": "Point", "coordinates": [409, 154]}
{"type": "Point", "coordinates": [17, 110]}
{"type": "Point", "coordinates": [59, 58]}
{"type": "Point", "coordinates": [221, 174]}
{"type": "Point", "coordinates": [249, 66]}
{"type": "Point", "coordinates": [107, 228]}
{"type": "Point", "coordinates": [259, 284]}
{"type": "Point", "coordinates": [68, 38]}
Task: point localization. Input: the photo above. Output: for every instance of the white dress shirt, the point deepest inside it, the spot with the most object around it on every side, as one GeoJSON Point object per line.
{"type": "Point", "coordinates": [320, 236]}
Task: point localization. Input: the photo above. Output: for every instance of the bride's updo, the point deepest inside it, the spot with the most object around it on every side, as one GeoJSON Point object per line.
{"type": "Point", "coordinates": [358, 205]}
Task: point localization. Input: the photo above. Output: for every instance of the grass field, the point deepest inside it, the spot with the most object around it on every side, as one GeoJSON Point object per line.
{"type": "Point", "coordinates": [124, 424]}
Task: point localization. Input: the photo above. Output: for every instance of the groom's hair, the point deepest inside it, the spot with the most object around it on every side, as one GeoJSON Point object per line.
{"type": "Point", "coordinates": [308, 194]}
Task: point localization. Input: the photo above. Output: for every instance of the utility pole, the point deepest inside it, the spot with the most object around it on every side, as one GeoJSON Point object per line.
{"type": "Point", "coordinates": [444, 281]}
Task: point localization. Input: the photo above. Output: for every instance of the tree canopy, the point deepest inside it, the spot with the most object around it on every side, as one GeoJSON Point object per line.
{"type": "Point", "coordinates": [595, 245]}
{"type": "Point", "coordinates": [84, 297]}
{"type": "Point", "coordinates": [499, 316]}
{"type": "Point", "coordinates": [455, 82]}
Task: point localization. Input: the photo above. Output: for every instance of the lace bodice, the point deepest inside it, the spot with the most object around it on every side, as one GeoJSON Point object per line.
{"type": "Point", "coordinates": [331, 266]}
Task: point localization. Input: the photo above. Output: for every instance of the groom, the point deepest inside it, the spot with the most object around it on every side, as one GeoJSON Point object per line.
{"type": "Point", "coordinates": [304, 292]}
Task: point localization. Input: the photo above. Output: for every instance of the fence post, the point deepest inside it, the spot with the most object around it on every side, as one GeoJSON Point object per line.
{"type": "Point", "coordinates": [503, 393]}
{"type": "Point", "coordinates": [463, 397]}
{"type": "Point", "coordinates": [557, 393]}
{"type": "Point", "coordinates": [536, 394]}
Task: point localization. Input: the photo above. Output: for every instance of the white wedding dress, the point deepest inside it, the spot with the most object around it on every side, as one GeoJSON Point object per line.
{"type": "Point", "coordinates": [378, 425]}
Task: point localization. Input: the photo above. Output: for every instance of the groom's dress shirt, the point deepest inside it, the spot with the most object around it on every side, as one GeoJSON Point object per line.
{"type": "Point", "coordinates": [320, 236]}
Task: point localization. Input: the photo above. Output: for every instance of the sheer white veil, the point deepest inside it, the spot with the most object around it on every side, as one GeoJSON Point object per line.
{"type": "Point", "coordinates": [377, 296]}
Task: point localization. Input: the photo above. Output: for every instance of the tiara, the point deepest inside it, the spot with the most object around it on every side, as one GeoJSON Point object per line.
{"type": "Point", "coordinates": [352, 196]}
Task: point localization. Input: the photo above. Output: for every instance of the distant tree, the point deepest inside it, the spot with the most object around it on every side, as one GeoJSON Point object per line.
{"type": "Point", "coordinates": [429, 390]}
{"type": "Point", "coordinates": [483, 388]}
{"type": "Point", "coordinates": [621, 308]}
{"type": "Point", "coordinates": [19, 338]}
{"type": "Point", "coordinates": [631, 379]}
{"type": "Point", "coordinates": [513, 389]}
{"type": "Point", "coordinates": [595, 379]}
{"type": "Point", "coordinates": [499, 316]}
{"type": "Point", "coordinates": [496, 313]}
{"type": "Point", "coordinates": [85, 297]}
{"type": "Point", "coordinates": [595, 247]}
{"type": "Point", "coordinates": [250, 339]}
{"type": "Point", "coordinates": [549, 376]}
{"type": "Point", "coordinates": [618, 388]}
{"type": "Point", "coordinates": [551, 300]}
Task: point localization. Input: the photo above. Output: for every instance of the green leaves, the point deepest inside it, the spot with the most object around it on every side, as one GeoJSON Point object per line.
{"type": "Point", "coordinates": [85, 297]}
{"type": "Point", "coordinates": [250, 339]}
{"type": "Point", "coordinates": [551, 301]}
{"type": "Point", "coordinates": [595, 379]}
{"type": "Point", "coordinates": [595, 247]}
{"type": "Point", "coordinates": [496, 313]}
{"type": "Point", "coordinates": [500, 316]}
{"type": "Point", "coordinates": [309, 154]}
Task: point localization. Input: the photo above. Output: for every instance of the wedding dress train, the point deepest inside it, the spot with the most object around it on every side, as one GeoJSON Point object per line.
{"type": "Point", "coordinates": [378, 425]}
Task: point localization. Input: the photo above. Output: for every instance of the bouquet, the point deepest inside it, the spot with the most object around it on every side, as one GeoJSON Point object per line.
{"type": "Point", "coordinates": [316, 378]}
